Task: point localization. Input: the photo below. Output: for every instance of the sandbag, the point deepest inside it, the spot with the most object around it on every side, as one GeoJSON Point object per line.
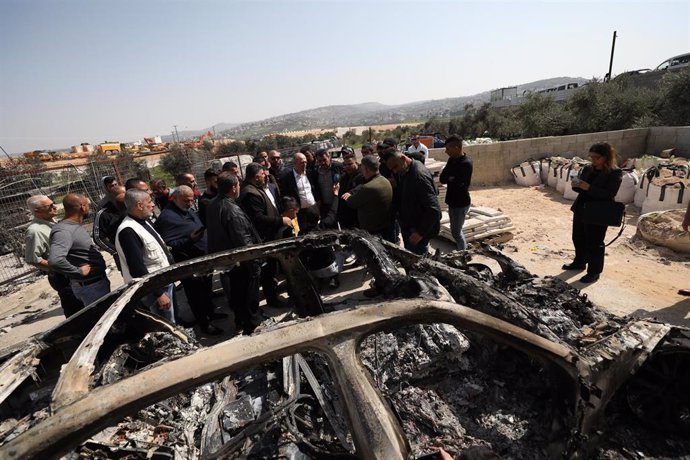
{"type": "Point", "coordinates": [562, 177]}
{"type": "Point", "coordinates": [554, 164]}
{"type": "Point", "coordinates": [544, 164]}
{"type": "Point", "coordinates": [552, 180]}
{"type": "Point", "coordinates": [664, 228]}
{"type": "Point", "coordinates": [573, 170]}
{"type": "Point", "coordinates": [565, 170]}
{"type": "Point", "coordinates": [527, 174]}
{"type": "Point", "coordinates": [661, 171]}
{"type": "Point", "coordinates": [627, 190]}
{"type": "Point", "coordinates": [641, 190]}
{"type": "Point", "coordinates": [666, 194]}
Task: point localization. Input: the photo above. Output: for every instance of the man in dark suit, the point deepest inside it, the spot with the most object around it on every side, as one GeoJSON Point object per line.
{"type": "Point", "coordinates": [294, 182]}
{"type": "Point", "coordinates": [262, 209]}
{"type": "Point", "coordinates": [349, 179]}
{"type": "Point", "coordinates": [271, 180]}
{"type": "Point", "coordinates": [260, 204]}
{"type": "Point", "coordinates": [325, 178]}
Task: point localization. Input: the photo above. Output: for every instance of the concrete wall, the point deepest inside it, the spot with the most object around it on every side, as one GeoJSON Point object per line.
{"type": "Point", "coordinates": [492, 162]}
{"type": "Point", "coordinates": [668, 137]}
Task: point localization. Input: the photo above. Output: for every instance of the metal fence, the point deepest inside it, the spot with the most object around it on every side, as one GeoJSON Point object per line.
{"type": "Point", "coordinates": [22, 181]}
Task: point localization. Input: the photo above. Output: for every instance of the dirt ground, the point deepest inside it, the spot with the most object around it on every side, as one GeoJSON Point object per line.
{"type": "Point", "coordinates": [639, 278]}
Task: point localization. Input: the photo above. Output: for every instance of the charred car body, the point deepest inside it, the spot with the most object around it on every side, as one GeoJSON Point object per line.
{"type": "Point", "coordinates": [450, 353]}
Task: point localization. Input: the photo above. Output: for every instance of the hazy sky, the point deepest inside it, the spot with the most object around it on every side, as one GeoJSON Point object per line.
{"type": "Point", "coordinates": [87, 71]}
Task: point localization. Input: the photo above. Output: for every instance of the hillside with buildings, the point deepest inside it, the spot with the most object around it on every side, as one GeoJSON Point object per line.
{"type": "Point", "coordinates": [373, 113]}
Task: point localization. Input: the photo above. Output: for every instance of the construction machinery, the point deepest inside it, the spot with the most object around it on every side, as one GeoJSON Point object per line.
{"type": "Point", "coordinates": [109, 147]}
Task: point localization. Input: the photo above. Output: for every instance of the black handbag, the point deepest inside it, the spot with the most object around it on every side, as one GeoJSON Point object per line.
{"type": "Point", "coordinates": [607, 213]}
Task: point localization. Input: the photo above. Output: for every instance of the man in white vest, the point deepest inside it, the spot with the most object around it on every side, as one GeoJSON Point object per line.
{"type": "Point", "coordinates": [142, 251]}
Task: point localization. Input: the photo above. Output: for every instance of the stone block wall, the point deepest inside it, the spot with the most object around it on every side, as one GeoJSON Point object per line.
{"type": "Point", "coordinates": [492, 162]}
{"type": "Point", "coordinates": [668, 137]}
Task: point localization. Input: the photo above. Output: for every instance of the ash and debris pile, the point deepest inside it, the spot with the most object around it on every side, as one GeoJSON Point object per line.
{"type": "Point", "coordinates": [459, 393]}
{"type": "Point", "coordinates": [167, 429]}
{"type": "Point", "coordinates": [164, 424]}
{"type": "Point", "coordinates": [246, 415]}
{"type": "Point", "coordinates": [569, 314]}
{"type": "Point", "coordinates": [265, 419]}
{"type": "Point", "coordinates": [464, 392]}
{"type": "Point", "coordinates": [153, 349]}
{"type": "Point", "coordinates": [483, 396]}
{"type": "Point", "coordinates": [547, 306]}
{"type": "Point", "coordinates": [450, 388]}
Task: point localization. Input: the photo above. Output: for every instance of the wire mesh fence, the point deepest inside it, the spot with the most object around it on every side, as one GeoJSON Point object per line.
{"type": "Point", "coordinates": [19, 182]}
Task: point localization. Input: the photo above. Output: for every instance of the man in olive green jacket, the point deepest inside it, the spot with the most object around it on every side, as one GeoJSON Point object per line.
{"type": "Point", "coordinates": [373, 200]}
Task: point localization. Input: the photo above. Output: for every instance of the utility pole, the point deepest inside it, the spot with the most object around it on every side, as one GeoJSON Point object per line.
{"type": "Point", "coordinates": [177, 135]}
{"type": "Point", "coordinates": [613, 48]}
{"type": "Point", "coordinates": [6, 154]}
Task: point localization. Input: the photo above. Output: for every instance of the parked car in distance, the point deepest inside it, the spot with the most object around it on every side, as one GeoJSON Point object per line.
{"type": "Point", "coordinates": [674, 63]}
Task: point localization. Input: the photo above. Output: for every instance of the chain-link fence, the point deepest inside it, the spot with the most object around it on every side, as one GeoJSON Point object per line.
{"type": "Point", "coordinates": [20, 182]}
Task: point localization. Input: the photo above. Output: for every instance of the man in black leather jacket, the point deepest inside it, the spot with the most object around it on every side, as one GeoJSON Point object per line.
{"type": "Point", "coordinates": [228, 227]}
{"type": "Point", "coordinates": [415, 200]}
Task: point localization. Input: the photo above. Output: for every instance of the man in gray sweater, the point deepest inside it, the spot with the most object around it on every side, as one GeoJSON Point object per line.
{"type": "Point", "coordinates": [37, 244]}
{"type": "Point", "coordinates": [74, 254]}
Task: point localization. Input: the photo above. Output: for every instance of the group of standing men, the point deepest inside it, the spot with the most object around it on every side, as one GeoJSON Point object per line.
{"type": "Point", "coordinates": [387, 194]}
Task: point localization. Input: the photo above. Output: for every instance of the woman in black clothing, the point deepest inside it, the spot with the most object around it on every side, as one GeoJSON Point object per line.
{"type": "Point", "coordinates": [597, 182]}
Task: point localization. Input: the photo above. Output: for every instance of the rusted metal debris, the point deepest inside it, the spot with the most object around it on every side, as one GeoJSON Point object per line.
{"type": "Point", "coordinates": [451, 353]}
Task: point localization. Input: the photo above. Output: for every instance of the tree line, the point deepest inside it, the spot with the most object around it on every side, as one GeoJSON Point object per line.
{"type": "Point", "coordinates": [597, 106]}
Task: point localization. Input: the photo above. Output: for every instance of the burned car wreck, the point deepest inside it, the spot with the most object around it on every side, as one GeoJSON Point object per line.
{"type": "Point", "coordinates": [488, 364]}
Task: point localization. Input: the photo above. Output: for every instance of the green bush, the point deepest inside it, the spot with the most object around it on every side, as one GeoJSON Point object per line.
{"type": "Point", "coordinates": [176, 161]}
{"type": "Point", "coordinates": [542, 116]}
{"type": "Point", "coordinates": [673, 104]}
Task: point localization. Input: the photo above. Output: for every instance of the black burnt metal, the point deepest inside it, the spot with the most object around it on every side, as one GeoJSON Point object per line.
{"type": "Point", "coordinates": [591, 354]}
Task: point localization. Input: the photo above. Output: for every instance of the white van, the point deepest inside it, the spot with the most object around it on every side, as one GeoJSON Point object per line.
{"type": "Point", "coordinates": [676, 62]}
